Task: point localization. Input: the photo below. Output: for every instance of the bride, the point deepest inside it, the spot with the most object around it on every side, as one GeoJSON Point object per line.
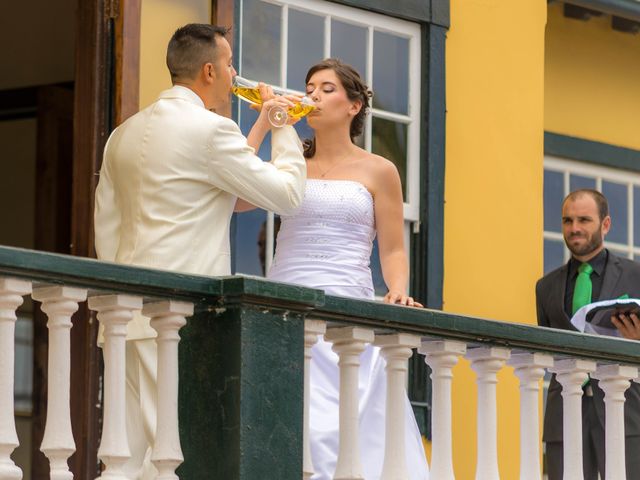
{"type": "Point", "coordinates": [351, 196]}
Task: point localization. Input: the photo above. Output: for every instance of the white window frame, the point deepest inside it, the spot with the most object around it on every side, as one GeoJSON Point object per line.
{"type": "Point", "coordinates": [600, 173]}
{"type": "Point", "coordinates": [372, 22]}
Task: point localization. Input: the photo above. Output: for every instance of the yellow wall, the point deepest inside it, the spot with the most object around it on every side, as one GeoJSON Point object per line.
{"type": "Point", "coordinates": [160, 18]}
{"type": "Point", "coordinates": [592, 86]}
{"type": "Point", "coordinates": [493, 192]}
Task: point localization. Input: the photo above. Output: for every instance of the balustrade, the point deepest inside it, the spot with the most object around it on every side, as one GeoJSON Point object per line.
{"type": "Point", "coordinates": [233, 399]}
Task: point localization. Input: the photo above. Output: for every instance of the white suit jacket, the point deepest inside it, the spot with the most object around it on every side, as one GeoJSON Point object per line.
{"type": "Point", "coordinates": [168, 186]}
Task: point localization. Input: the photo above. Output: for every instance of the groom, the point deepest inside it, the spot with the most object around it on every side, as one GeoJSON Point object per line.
{"type": "Point", "coordinates": [169, 181]}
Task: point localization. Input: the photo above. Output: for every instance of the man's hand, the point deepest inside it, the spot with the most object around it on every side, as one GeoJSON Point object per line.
{"type": "Point", "coordinates": [627, 325]}
{"type": "Point", "coordinates": [401, 299]}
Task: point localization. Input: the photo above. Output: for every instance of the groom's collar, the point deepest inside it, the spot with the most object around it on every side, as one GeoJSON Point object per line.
{"type": "Point", "coordinates": [184, 93]}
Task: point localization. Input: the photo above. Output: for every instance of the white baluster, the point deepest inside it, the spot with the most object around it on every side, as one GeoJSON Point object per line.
{"type": "Point", "coordinates": [312, 328]}
{"type": "Point", "coordinates": [11, 293]}
{"type": "Point", "coordinates": [571, 373]}
{"type": "Point", "coordinates": [349, 343]}
{"type": "Point", "coordinates": [167, 318]}
{"type": "Point", "coordinates": [529, 368]}
{"type": "Point", "coordinates": [441, 356]}
{"type": "Point", "coordinates": [59, 303]}
{"type": "Point", "coordinates": [396, 350]}
{"type": "Point", "coordinates": [486, 362]}
{"type": "Point", "coordinates": [614, 381]}
{"type": "Point", "coordinates": [114, 313]}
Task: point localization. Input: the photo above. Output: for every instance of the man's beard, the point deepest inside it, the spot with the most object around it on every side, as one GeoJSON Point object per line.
{"type": "Point", "coordinates": [593, 243]}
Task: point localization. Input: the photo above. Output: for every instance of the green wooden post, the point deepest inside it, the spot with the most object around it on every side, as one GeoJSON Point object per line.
{"type": "Point", "coordinates": [242, 392]}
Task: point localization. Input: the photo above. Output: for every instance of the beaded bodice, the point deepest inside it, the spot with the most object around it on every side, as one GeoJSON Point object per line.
{"type": "Point", "coordinates": [327, 241]}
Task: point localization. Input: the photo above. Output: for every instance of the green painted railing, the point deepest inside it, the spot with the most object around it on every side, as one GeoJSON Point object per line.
{"type": "Point", "coordinates": [241, 354]}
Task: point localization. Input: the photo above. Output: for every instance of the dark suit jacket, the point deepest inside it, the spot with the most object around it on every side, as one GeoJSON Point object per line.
{"type": "Point", "coordinates": [621, 276]}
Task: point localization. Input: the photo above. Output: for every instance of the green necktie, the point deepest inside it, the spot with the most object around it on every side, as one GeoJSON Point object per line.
{"type": "Point", "coordinates": [582, 291]}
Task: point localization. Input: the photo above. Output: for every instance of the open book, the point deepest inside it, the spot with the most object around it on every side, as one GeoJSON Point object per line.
{"type": "Point", "coordinates": [596, 317]}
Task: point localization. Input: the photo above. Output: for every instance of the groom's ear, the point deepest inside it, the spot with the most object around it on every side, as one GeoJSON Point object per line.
{"type": "Point", "coordinates": [208, 72]}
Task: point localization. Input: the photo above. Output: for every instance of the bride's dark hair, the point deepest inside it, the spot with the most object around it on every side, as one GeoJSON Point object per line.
{"type": "Point", "coordinates": [356, 90]}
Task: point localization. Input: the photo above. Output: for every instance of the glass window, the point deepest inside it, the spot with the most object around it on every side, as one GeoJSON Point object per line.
{"type": "Point", "coordinates": [349, 43]}
{"type": "Point", "coordinates": [577, 182]}
{"type": "Point", "coordinates": [261, 37]}
{"type": "Point", "coordinates": [553, 254]}
{"type": "Point", "coordinates": [391, 72]}
{"type": "Point", "coordinates": [389, 140]}
{"type": "Point", "coordinates": [616, 194]}
{"type": "Point", "coordinates": [553, 196]}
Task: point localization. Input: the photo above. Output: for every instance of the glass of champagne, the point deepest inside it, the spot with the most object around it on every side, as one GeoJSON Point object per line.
{"type": "Point", "coordinates": [248, 91]}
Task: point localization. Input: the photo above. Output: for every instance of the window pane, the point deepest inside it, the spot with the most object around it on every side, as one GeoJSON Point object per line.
{"type": "Point", "coordinates": [553, 195]}
{"type": "Point", "coordinates": [250, 235]}
{"type": "Point", "coordinates": [376, 271]}
{"type": "Point", "coordinates": [636, 216]}
{"type": "Point", "coordinates": [390, 72]}
{"type": "Point", "coordinates": [389, 140]}
{"type": "Point", "coordinates": [248, 117]}
{"type": "Point", "coordinates": [553, 254]}
{"type": "Point", "coordinates": [261, 41]}
{"type": "Point", "coordinates": [349, 44]}
{"type": "Point", "coordinates": [616, 194]}
{"type": "Point", "coordinates": [305, 46]}
{"type": "Point", "coordinates": [576, 182]}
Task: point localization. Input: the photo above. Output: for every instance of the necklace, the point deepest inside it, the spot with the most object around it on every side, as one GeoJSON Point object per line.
{"type": "Point", "coordinates": [324, 173]}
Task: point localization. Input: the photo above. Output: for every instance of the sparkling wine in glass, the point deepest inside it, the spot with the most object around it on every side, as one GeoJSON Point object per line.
{"type": "Point", "coordinates": [248, 91]}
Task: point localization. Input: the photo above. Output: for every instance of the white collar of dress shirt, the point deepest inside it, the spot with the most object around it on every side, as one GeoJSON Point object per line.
{"type": "Point", "coordinates": [185, 93]}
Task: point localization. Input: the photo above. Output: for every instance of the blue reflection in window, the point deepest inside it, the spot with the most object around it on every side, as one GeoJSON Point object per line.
{"type": "Point", "coordinates": [553, 254]}
{"type": "Point", "coordinates": [636, 216]}
{"type": "Point", "coordinates": [577, 182]}
{"type": "Point", "coordinates": [248, 117]}
{"type": "Point", "coordinates": [553, 196]}
{"type": "Point", "coordinates": [376, 271]}
{"type": "Point", "coordinates": [305, 46]}
{"type": "Point", "coordinates": [247, 238]}
{"type": "Point", "coordinates": [261, 27]}
{"type": "Point", "coordinates": [247, 225]}
{"type": "Point", "coordinates": [616, 194]}
{"type": "Point", "coordinates": [390, 72]}
{"type": "Point", "coordinates": [349, 44]}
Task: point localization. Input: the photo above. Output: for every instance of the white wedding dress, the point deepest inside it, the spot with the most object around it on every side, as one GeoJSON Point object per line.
{"type": "Point", "coordinates": [327, 244]}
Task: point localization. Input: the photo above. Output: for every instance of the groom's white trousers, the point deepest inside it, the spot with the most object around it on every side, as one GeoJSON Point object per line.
{"type": "Point", "coordinates": [141, 404]}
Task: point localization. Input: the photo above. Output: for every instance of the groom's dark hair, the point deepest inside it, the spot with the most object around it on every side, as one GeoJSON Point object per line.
{"type": "Point", "coordinates": [191, 47]}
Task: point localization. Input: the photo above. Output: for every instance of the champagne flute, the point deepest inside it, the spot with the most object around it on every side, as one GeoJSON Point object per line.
{"type": "Point", "coordinates": [248, 91]}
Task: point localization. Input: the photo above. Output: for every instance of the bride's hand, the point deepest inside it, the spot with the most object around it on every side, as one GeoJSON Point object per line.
{"type": "Point", "coordinates": [270, 100]}
{"type": "Point", "coordinates": [401, 299]}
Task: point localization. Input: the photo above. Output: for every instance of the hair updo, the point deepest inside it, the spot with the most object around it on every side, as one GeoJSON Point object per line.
{"type": "Point", "coordinates": [356, 90]}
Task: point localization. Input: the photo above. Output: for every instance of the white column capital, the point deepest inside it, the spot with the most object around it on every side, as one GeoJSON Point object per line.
{"type": "Point", "coordinates": [338, 335]}
{"type": "Point", "coordinates": [14, 286]}
{"type": "Point", "coordinates": [57, 293]}
{"type": "Point", "coordinates": [615, 371]}
{"type": "Point", "coordinates": [103, 303]}
{"type": "Point", "coordinates": [436, 347]}
{"type": "Point", "coordinates": [167, 307]}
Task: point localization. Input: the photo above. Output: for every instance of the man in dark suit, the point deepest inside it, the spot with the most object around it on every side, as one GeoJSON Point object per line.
{"type": "Point", "coordinates": [585, 222]}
